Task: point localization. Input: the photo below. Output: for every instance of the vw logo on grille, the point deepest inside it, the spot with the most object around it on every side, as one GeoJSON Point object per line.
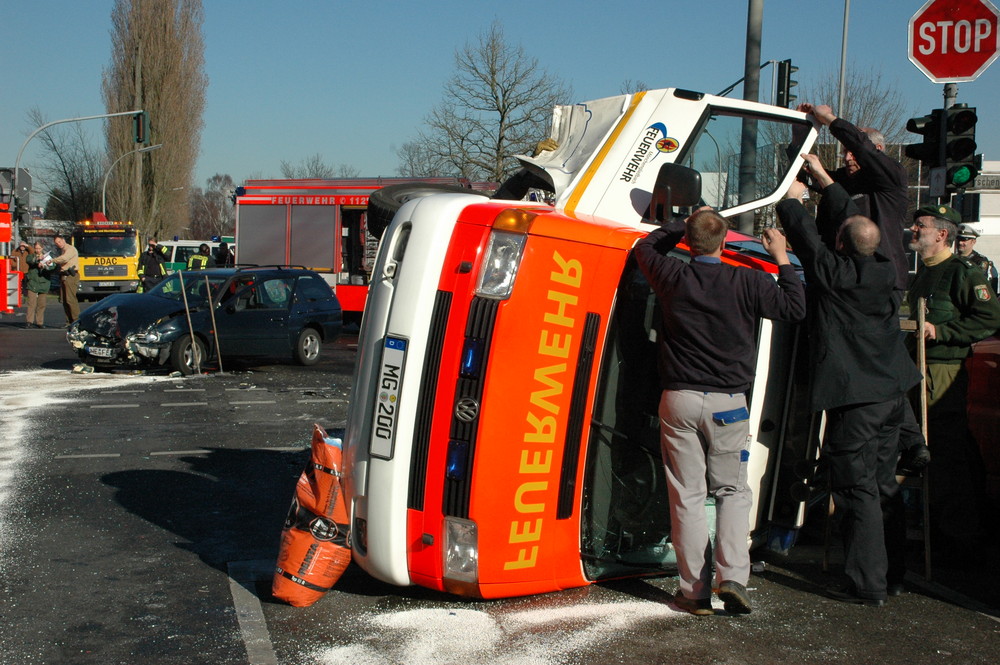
{"type": "Point", "coordinates": [467, 410]}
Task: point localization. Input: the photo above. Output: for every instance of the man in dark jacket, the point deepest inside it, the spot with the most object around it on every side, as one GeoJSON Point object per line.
{"type": "Point", "coordinates": [876, 182]}
{"type": "Point", "coordinates": [151, 262]}
{"type": "Point", "coordinates": [861, 371]}
{"type": "Point", "coordinates": [710, 312]}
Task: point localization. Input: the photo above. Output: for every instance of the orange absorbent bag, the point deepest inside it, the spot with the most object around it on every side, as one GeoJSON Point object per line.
{"type": "Point", "coordinates": [314, 547]}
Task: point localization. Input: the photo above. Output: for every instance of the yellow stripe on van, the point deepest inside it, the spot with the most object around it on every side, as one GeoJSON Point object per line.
{"type": "Point", "coordinates": [581, 187]}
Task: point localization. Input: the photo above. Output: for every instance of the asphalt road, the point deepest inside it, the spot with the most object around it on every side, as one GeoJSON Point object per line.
{"type": "Point", "coordinates": [140, 517]}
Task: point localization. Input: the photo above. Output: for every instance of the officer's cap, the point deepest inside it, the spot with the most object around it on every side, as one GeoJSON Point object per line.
{"type": "Point", "coordinates": [968, 231]}
{"type": "Point", "coordinates": [944, 212]}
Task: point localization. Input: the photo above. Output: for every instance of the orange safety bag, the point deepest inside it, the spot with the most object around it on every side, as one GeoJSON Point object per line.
{"type": "Point", "coordinates": [314, 547]}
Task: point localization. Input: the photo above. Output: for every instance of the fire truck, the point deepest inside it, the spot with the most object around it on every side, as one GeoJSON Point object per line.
{"type": "Point", "coordinates": [323, 225]}
{"type": "Point", "coordinates": [109, 257]}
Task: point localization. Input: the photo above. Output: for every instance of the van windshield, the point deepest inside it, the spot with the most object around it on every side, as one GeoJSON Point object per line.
{"type": "Point", "coordinates": [626, 515]}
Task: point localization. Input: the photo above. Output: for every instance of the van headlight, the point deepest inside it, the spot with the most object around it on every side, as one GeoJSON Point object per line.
{"type": "Point", "coordinates": [461, 550]}
{"type": "Point", "coordinates": [500, 263]}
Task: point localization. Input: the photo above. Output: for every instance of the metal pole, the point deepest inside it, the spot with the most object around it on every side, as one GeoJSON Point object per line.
{"type": "Point", "coordinates": [751, 90]}
{"type": "Point", "coordinates": [215, 330]}
{"type": "Point", "coordinates": [843, 60]}
{"type": "Point", "coordinates": [104, 187]}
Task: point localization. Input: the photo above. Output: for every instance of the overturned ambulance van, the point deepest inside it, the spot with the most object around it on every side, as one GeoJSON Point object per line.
{"type": "Point", "coordinates": [502, 437]}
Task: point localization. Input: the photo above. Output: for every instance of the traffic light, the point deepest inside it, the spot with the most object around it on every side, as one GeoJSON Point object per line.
{"type": "Point", "coordinates": [783, 96]}
{"type": "Point", "coordinates": [960, 147]}
{"type": "Point", "coordinates": [929, 151]}
{"type": "Point", "coordinates": [140, 127]}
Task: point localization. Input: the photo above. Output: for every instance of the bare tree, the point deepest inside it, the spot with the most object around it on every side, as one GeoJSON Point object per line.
{"type": "Point", "coordinates": [157, 64]}
{"type": "Point", "coordinates": [314, 167]}
{"type": "Point", "coordinates": [629, 86]}
{"type": "Point", "coordinates": [71, 170]}
{"type": "Point", "coordinates": [416, 162]}
{"type": "Point", "coordinates": [497, 105]}
{"type": "Point", "coordinates": [212, 212]}
{"type": "Point", "coordinates": [869, 101]}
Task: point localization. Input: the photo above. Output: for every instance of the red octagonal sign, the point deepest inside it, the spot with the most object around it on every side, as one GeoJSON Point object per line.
{"type": "Point", "coordinates": [954, 40]}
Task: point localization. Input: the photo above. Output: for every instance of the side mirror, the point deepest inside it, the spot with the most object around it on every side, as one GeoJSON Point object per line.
{"type": "Point", "coordinates": [676, 186]}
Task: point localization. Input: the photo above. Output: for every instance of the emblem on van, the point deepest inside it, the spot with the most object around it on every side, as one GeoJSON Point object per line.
{"type": "Point", "coordinates": [467, 409]}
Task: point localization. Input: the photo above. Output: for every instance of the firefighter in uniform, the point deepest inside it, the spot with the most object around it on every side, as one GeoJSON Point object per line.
{"type": "Point", "coordinates": [961, 309]}
{"type": "Point", "coordinates": [965, 247]}
{"type": "Point", "coordinates": [202, 259]}
{"type": "Point", "coordinates": [151, 265]}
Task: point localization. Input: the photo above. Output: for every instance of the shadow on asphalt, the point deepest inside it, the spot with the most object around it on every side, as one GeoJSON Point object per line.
{"type": "Point", "coordinates": [229, 506]}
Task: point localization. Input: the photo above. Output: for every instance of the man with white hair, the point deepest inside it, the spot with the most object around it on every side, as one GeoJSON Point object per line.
{"type": "Point", "coordinates": [965, 244]}
{"type": "Point", "coordinates": [876, 182]}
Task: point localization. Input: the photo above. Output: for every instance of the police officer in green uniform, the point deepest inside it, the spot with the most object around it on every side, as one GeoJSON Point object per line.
{"type": "Point", "coordinates": [965, 246]}
{"type": "Point", "coordinates": [203, 259]}
{"type": "Point", "coordinates": [961, 309]}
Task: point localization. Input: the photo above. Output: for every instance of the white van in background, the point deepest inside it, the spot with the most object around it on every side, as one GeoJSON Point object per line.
{"type": "Point", "coordinates": [182, 250]}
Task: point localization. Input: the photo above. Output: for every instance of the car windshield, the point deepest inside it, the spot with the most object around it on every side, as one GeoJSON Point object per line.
{"type": "Point", "coordinates": [195, 286]}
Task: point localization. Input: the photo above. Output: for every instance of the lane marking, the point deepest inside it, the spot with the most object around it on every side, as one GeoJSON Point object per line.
{"type": "Point", "coordinates": [88, 455]}
{"type": "Point", "coordinates": [200, 451]}
{"type": "Point", "coordinates": [253, 626]}
{"type": "Point", "coordinates": [183, 390]}
{"type": "Point", "coordinates": [183, 403]}
{"type": "Point", "coordinates": [121, 392]}
{"type": "Point", "coordinates": [114, 406]}
{"type": "Point", "coordinates": [243, 389]}
{"type": "Point", "coordinates": [266, 401]}
{"type": "Point", "coordinates": [329, 401]}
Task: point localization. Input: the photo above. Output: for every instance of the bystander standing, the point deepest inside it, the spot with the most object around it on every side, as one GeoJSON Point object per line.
{"type": "Point", "coordinates": [961, 309]}
{"type": "Point", "coordinates": [965, 246]}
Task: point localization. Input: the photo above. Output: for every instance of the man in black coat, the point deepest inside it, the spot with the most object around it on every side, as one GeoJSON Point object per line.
{"type": "Point", "coordinates": [861, 371]}
{"type": "Point", "coordinates": [876, 182]}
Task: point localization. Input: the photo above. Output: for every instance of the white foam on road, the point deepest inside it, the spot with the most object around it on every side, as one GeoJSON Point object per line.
{"type": "Point", "coordinates": [550, 636]}
{"type": "Point", "coordinates": [24, 398]}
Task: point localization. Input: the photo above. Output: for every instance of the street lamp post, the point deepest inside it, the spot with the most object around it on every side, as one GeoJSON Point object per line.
{"type": "Point", "coordinates": [104, 187]}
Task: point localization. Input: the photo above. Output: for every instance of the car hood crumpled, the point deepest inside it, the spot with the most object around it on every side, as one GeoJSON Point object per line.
{"type": "Point", "coordinates": [120, 315]}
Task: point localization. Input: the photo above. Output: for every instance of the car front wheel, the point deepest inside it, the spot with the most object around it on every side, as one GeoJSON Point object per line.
{"type": "Point", "coordinates": [187, 356]}
{"type": "Point", "coordinates": [307, 347]}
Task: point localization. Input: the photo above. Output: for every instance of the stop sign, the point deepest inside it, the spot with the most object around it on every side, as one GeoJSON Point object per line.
{"type": "Point", "coordinates": [954, 40]}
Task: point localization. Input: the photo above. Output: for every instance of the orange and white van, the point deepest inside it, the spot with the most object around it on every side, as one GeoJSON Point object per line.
{"type": "Point", "coordinates": [502, 437]}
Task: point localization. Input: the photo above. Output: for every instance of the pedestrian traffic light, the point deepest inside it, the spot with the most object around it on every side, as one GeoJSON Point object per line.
{"type": "Point", "coordinates": [140, 127]}
{"type": "Point", "coordinates": [783, 96]}
{"type": "Point", "coordinates": [927, 152]}
{"type": "Point", "coordinates": [960, 146]}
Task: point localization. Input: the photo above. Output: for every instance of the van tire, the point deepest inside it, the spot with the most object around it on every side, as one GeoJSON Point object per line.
{"type": "Point", "coordinates": [383, 203]}
{"type": "Point", "coordinates": [307, 347]}
{"type": "Point", "coordinates": [185, 355]}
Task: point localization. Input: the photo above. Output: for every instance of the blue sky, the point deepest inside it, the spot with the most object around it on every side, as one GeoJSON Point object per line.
{"type": "Point", "coordinates": [354, 80]}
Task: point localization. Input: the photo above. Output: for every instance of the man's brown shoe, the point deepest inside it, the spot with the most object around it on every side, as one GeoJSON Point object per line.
{"type": "Point", "coordinates": [698, 606]}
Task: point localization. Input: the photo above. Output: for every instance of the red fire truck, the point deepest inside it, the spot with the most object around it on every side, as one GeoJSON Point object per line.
{"type": "Point", "coordinates": [324, 225]}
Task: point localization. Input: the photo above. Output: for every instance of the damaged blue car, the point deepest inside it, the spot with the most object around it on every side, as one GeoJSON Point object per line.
{"type": "Point", "coordinates": [195, 317]}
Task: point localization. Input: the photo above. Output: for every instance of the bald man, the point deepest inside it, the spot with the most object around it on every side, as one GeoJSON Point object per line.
{"type": "Point", "coordinates": [861, 372]}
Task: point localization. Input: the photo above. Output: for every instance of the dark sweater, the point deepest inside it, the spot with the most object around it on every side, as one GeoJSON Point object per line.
{"type": "Point", "coordinates": [879, 189]}
{"type": "Point", "coordinates": [710, 313]}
